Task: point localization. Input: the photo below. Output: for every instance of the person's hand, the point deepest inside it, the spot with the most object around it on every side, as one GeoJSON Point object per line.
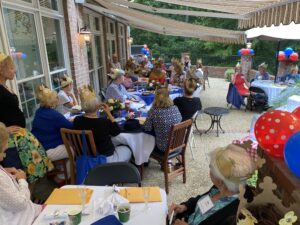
{"type": "Point", "coordinates": [177, 209]}
{"type": "Point", "coordinates": [11, 170]}
{"type": "Point", "coordinates": [180, 222]}
{"type": "Point", "coordinates": [105, 108]}
{"type": "Point", "coordinates": [20, 174]}
{"type": "Point", "coordinates": [13, 129]}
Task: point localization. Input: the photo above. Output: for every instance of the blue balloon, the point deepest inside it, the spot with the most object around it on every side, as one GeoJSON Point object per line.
{"type": "Point", "coordinates": [292, 153]}
{"type": "Point", "coordinates": [288, 51]}
{"type": "Point", "coordinates": [239, 53]}
{"type": "Point", "coordinates": [147, 53]}
{"type": "Point", "coordinates": [251, 51]}
{"type": "Point", "coordinates": [24, 56]}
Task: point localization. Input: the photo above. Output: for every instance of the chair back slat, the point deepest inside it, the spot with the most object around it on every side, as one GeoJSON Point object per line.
{"type": "Point", "coordinates": [72, 140]}
{"type": "Point", "coordinates": [179, 136]}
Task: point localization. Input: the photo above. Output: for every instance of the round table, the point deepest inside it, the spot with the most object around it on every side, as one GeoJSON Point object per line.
{"type": "Point", "coordinates": [215, 114]}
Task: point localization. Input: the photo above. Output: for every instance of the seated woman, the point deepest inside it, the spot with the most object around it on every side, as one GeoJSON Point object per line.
{"type": "Point", "coordinates": [47, 123]}
{"type": "Point", "coordinates": [24, 150]}
{"type": "Point", "coordinates": [262, 74]}
{"type": "Point", "coordinates": [178, 76]}
{"type": "Point", "coordinates": [66, 97]}
{"type": "Point", "coordinates": [188, 105]}
{"type": "Point", "coordinates": [102, 128]}
{"type": "Point", "coordinates": [240, 82]}
{"type": "Point", "coordinates": [130, 69]}
{"type": "Point", "coordinates": [292, 76]}
{"type": "Point", "coordinates": [116, 89]}
{"type": "Point", "coordinates": [15, 204]}
{"type": "Point", "coordinates": [162, 115]}
{"type": "Point", "coordinates": [229, 167]}
{"type": "Point", "coordinates": [157, 75]}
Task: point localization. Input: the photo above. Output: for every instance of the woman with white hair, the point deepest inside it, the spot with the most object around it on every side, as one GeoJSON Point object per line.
{"type": "Point", "coordinates": [66, 97]}
{"type": "Point", "coordinates": [229, 167]}
{"type": "Point", "coordinates": [103, 128]}
{"type": "Point", "coordinates": [47, 123]}
{"type": "Point", "coordinates": [116, 89]}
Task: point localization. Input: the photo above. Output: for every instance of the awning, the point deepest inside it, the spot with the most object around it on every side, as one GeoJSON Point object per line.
{"type": "Point", "coordinates": [274, 33]}
{"type": "Point", "coordinates": [256, 12]}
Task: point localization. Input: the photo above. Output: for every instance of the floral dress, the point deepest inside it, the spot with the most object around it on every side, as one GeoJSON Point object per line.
{"type": "Point", "coordinates": [32, 154]}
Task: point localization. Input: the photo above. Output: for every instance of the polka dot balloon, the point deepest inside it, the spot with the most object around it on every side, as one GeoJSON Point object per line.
{"type": "Point", "coordinates": [296, 112]}
{"type": "Point", "coordinates": [273, 129]}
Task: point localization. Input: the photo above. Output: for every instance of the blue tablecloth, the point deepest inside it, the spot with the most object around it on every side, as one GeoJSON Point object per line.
{"type": "Point", "coordinates": [148, 99]}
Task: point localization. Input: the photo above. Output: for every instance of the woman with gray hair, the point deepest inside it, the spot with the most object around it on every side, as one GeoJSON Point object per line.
{"type": "Point", "coordinates": [229, 167]}
{"type": "Point", "coordinates": [102, 128]}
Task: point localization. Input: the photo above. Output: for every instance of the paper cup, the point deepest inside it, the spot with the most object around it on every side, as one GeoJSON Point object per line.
{"type": "Point", "coordinates": [74, 214]}
{"type": "Point", "coordinates": [124, 212]}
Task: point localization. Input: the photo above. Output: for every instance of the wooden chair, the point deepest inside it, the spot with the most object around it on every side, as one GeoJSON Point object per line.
{"type": "Point", "coordinates": [72, 141]}
{"type": "Point", "coordinates": [177, 144]}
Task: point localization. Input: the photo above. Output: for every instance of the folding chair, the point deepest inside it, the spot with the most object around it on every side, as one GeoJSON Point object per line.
{"type": "Point", "coordinates": [113, 173]}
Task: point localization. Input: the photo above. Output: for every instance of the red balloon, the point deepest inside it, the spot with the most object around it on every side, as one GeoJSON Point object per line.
{"type": "Point", "coordinates": [281, 56]}
{"type": "Point", "coordinates": [296, 112]}
{"type": "Point", "coordinates": [247, 51]}
{"type": "Point", "coordinates": [294, 56]}
{"type": "Point", "coordinates": [243, 51]}
{"type": "Point", "coordinates": [273, 129]}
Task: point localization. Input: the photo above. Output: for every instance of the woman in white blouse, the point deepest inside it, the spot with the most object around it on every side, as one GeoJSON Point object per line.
{"type": "Point", "coordinates": [15, 204]}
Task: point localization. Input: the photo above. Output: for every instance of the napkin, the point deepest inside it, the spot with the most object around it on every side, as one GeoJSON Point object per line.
{"type": "Point", "coordinates": [136, 194]}
{"type": "Point", "coordinates": [57, 214]}
{"type": "Point", "coordinates": [68, 196]}
{"type": "Point", "coordinates": [109, 205]}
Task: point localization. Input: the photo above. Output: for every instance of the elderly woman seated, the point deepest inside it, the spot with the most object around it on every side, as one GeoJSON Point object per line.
{"type": "Point", "coordinates": [229, 167]}
{"type": "Point", "coordinates": [15, 204]}
{"type": "Point", "coordinates": [262, 74]}
{"type": "Point", "coordinates": [116, 89]}
{"type": "Point", "coordinates": [162, 115]}
{"type": "Point", "coordinates": [292, 76]}
{"type": "Point", "coordinates": [102, 128]}
{"type": "Point", "coordinates": [47, 123]}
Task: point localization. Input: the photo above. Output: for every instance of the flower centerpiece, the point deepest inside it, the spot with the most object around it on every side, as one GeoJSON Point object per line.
{"type": "Point", "coordinates": [153, 84]}
{"type": "Point", "coordinates": [115, 106]}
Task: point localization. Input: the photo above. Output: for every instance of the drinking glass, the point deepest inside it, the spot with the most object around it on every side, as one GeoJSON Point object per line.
{"type": "Point", "coordinates": [146, 192]}
{"type": "Point", "coordinates": [82, 196]}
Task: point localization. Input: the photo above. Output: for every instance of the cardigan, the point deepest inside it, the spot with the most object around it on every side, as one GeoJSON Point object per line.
{"type": "Point", "coordinates": [46, 127]}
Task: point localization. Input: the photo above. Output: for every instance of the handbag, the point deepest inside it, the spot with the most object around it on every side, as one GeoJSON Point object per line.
{"type": "Point", "coordinates": [85, 162]}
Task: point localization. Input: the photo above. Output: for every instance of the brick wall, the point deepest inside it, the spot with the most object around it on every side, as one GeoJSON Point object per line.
{"type": "Point", "coordinates": [218, 72]}
{"type": "Point", "coordinates": [76, 46]}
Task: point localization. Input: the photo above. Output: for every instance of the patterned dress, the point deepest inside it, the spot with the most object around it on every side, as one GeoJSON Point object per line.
{"type": "Point", "coordinates": [160, 120]}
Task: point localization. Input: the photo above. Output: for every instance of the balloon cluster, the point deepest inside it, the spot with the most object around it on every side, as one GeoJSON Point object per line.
{"type": "Point", "coordinates": [245, 51]}
{"type": "Point", "coordinates": [288, 54]}
{"type": "Point", "coordinates": [18, 55]}
{"type": "Point", "coordinates": [145, 50]}
{"type": "Point", "coordinates": [278, 133]}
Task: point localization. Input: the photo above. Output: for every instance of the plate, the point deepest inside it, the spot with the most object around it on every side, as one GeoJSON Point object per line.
{"type": "Point", "coordinates": [130, 90]}
{"type": "Point", "coordinates": [145, 93]}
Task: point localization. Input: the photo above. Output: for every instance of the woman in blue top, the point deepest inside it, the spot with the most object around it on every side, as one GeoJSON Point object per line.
{"type": "Point", "coordinates": [47, 123]}
{"type": "Point", "coordinates": [229, 167]}
{"type": "Point", "coordinates": [291, 77]}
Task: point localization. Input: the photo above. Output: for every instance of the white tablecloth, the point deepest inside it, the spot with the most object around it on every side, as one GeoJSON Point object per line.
{"type": "Point", "coordinates": [141, 144]}
{"type": "Point", "coordinates": [156, 214]}
{"type": "Point", "coordinates": [269, 87]}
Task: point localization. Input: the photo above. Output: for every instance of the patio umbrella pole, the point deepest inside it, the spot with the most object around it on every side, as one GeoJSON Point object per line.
{"type": "Point", "coordinates": [277, 62]}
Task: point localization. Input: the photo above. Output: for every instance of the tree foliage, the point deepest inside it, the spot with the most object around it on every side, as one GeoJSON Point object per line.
{"type": "Point", "coordinates": [212, 53]}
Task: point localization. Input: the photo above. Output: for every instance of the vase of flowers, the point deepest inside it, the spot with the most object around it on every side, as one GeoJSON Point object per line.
{"type": "Point", "coordinates": [115, 106]}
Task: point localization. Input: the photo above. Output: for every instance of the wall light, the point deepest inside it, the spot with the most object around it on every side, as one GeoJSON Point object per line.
{"type": "Point", "coordinates": [130, 40]}
{"type": "Point", "coordinates": [85, 33]}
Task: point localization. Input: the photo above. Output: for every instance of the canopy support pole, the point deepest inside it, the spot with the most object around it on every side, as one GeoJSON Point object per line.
{"type": "Point", "coordinates": [277, 62]}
